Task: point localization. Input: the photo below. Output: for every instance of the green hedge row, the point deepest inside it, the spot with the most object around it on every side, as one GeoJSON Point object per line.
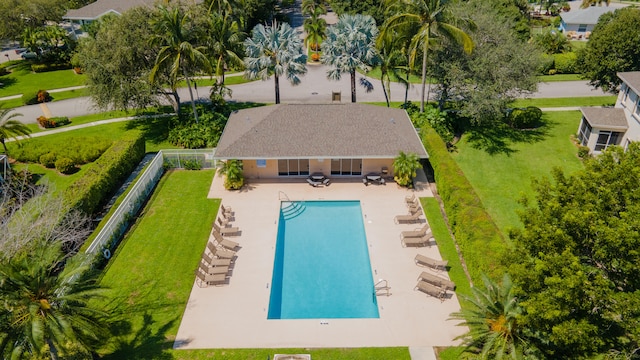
{"type": "Point", "coordinates": [107, 173]}
{"type": "Point", "coordinates": [38, 68]}
{"type": "Point", "coordinates": [478, 237]}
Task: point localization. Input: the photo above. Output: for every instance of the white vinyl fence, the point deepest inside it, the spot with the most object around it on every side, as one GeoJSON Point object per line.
{"type": "Point", "coordinates": [114, 229]}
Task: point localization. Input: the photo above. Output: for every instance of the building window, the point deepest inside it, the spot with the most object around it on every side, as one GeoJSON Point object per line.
{"type": "Point", "coordinates": [626, 93]}
{"type": "Point", "coordinates": [607, 138]}
{"type": "Point", "coordinates": [637, 109]}
{"type": "Point", "coordinates": [293, 167]}
{"type": "Point", "coordinates": [346, 166]}
{"type": "Point", "coordinates": [582, 28]}
{"type": "Point", "coordinates": [585, 132]}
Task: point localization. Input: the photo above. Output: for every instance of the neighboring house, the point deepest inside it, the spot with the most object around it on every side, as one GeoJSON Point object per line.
{"type": "Point", "coordinates": [603, 127]}
{"type": "Point", "coordinates": [582, 21]}
{"type": "Point", "coordinates": [335, 139]}
{"type": "Point", "coordinates": [96, 10]}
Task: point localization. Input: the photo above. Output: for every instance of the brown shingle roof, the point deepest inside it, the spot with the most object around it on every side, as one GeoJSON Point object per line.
{"type": "Point", "coordinates": [101, 7]}
{"type": "Point", "coordinates": [610, 118]}
{"type": "Point", "coordinates": [318, 131]}
{"type": "Point", "coordinates": [631, 78]}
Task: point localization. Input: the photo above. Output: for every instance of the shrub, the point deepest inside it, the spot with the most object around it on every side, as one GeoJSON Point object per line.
{"type": "Point", "coordinates": [315, 57]}
{"type": "Point", "coordinates": [547, 63]}
{"type": "Point", "coordinates": [81, 150]}
{"type": "Point", "coordinates": [193, 164]}
{"type": "Point", "coordinates": [206, 133]}
{"type": "Point", "coordinates": [66, 166]}
{"type": "Point", "coordinates": [48, 160]}
{"type": "Point", "coordinates": [584, 152]}
{"type": "Point", "coordinates": [566, 63]}
{"type": "Point", "coordinates": [107, 173]}
{"type": "Point", "coordinates": [38, 68]}
{"type": "Point", "coordinates": [478, 237]}
{"type": "Point", "coordinates": [524, 118]}
{"type": "Point", "coordinates": [30, 98]}
{"type": "Point", "coordinates": [53, 122]}
{"type": "Point", "coordinates": [43, 96]}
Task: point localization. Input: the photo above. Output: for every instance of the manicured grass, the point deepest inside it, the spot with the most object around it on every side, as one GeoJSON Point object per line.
{"type": "Point", "coordinates": [559, 77]}
{"type": "Point", "coordinates": [22, 80]}
{"type": "Point", "coordinates": [57, 182]}
{"type": "Point", "coordinates": [69, 94]}
{"type": "Point", "coordinates": [500, 166]}
{"type": "Point", "coordinates": [568, 101]}
{"type": "Point", "coordinates": [151, 275]}
{"type": "Point", "coordinates": [13, 103]}
{"type": "Point", "coordinates": [447, 247]}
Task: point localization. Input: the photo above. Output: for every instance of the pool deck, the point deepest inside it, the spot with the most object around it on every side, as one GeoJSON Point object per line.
{"type": "Point", "coordinates": [235, 315]}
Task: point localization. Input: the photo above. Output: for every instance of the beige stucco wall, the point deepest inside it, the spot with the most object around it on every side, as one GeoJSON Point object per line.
{"type": "Point", "coordinates": [252, 171]}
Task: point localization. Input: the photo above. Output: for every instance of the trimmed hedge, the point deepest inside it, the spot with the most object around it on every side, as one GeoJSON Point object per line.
{"type": "Point", "coordinates": [566, 63]}
{"type": "Point", "coordinates": [107, 173]}
{"type": "Point", "coordinates": [478, 237]}
{"type": "Point", "coordinates": [38, 68]}
{"type": "Point", "coordinates": [82, 150]}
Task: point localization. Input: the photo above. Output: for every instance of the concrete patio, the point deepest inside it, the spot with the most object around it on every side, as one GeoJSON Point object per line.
{"type": "Point", "coordinates": [235, 315]}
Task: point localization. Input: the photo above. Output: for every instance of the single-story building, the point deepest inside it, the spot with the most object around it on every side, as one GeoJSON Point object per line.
{"type": "Point", "coordinates": [96, 10]}
{"type": "Point", "coordinates": [582, 21]}
{"type": "Point", "coordinates": [603, 127]}
{"type": "Point", "coordinates": [341, 140]}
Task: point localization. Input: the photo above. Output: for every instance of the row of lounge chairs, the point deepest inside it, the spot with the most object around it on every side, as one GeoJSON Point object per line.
{"type": "Point", "coordinates": [428, 283]}
{"type": "Point", "coordinates": [415, 211]}
{"type": "Point", "coordinates": [218, 258]}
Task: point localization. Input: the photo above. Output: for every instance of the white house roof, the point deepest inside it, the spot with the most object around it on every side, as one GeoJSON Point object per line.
{"type": "Point", "coordinates": [319, 131]}
{"type": "Point", "coordinates": [99, 8]}
{"type": "Point", "coordinates": [588, 16]}
{"type": "Point", "coordinates": [632, 79]}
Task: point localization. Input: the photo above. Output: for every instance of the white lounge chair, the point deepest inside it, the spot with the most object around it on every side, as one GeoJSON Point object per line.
{"type": "Point", "coordinates": [417, 241]}
{"type": "Point", "coordinates": [430, 289]}
{"type": "Point", "coordinates": [422, 260]}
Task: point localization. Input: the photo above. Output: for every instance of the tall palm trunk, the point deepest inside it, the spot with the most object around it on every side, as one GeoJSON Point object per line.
{"type": "Point", "coordinates": [353, 85]}
{"type": "Point", "coordinates": [277, 85]}
{"type": "Point", "coordinates": [53, 351]}
{"type": "Point", "coordinates": [424, 71]}
{"type": "Point", "coordinates": [193, 104]}
{"type": "Point", "coordinates": [406, 90]}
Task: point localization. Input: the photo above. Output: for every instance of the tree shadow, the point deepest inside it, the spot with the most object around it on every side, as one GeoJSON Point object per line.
{"type": "Point", "coordinates": [155, 129]}
{"type": "Point", "coordinates": [498, 137]}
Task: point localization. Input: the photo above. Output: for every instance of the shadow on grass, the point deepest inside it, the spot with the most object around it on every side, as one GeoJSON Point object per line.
{"type": "Point", "coordinates": [143, 343]}
{"type": "Point", "coordinates": [155, 129]}
{"type": "Point", "coordinates": [497, 137]}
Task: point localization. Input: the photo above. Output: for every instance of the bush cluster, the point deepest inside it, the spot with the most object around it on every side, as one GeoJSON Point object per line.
{"type": "Point", "coordinates": [205, 134]}
{"type": "Point", "coordinates": [524, 118]}
{"type": "Point", "coordinates": [35, 97]}
{"type": "Point", "coordinates": [38, 68]}
{"type": "Point", "coordinates": [65, 165]}
{"type": "Point", "coordinates": [107, 173]}
{"type": "Point", "coordinates": [53, 122]}
{"type": "Point", "coordinates": [565, 63]}
{"type": "Point", "coordinates": [478, 237]}
{"type": "Point", "coordinates": [81, 151]}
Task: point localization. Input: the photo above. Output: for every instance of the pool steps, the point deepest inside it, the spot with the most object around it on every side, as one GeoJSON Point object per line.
{"type": "Point", "coordinates": [291, 209]}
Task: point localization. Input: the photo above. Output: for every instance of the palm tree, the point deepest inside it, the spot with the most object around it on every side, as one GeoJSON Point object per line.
{"type": "Point", "coordinates": [10, 128]}
{"type": "Point", "coordinates": [178, 50]}
{"type": "Point", "coordinates": [405, 166]}
{"type": "Point", "coordinates": [431, 17]}
{"type": "Point", "coordinates": [224, 43]}
{"type": "Point", "coordinates": [392, 63]}
{"type": "Point", "coordinates": [232, 169]}
{"type": "Point", "coordinates": [316, 28]}
{"type": "Point", "coordinates": [274, 50]}
{"type": "Point", "coordinates": [350, 45]}
{"type": "Point", "coordinates": [493, 321]}
{"type": "Point", "coordinates": [46, 305]}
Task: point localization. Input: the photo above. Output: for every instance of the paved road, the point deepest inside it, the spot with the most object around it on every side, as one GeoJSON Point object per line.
{"type": "Point", "coordinates": [314, 88]}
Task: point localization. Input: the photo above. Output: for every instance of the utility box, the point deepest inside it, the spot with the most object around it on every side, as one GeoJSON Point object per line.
{"type": "Point", "coordinates": [336, 96]}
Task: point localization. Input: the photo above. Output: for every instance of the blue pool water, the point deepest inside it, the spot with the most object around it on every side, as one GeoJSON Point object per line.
{"type": "Point", "coordinates": [321, 266]}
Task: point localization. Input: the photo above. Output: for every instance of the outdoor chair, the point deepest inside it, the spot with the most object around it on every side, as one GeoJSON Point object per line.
{"type": "Point", "coordinates": [413, 208]}
{"type": "Point", "coordinates": [314, 183]}
{"type": "Point", "coordinates": [422, 260]}
{"type": "Point", "coordinates": [227, 244]}
{"type": "Point", "coordinates": [417, 241]}
{"type": "Point", "coordinates": [220, 253]}
{"type": "Point", "coordinates": [411, 218]}
{"type": "Point", "coordinates": [431, 290]}
{"type": "Point", "coordinates": [420, 232]}
{"type": "Point", "coordinates": [231, 231]}
{"type": "Point", "coordinates": [213, 270]}
{"type": "Point", "coordinates": [226, 210]}
{"type": "Point", "coordinates": [214, 261]}
{"type": "Point", "coordinates": [410, 199]}
{"type": "Point", "coordinates": [224, 222]}
{"type": "Point", "coordinates": [218, 279]}
{"type": "Point", "coordinates": [438, 281]}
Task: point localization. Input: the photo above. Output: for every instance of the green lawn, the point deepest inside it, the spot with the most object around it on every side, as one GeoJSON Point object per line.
{"type": "Point", "coordinates": [559, 77]}
{"type": "Point", "coordinates": [413, 78]}
{"type": "Point", "coordinates": [151, 275]}
{"type": "Point", "coordinates": [23, 80]}
{"type": "Point", "coordinates": [568, 101]}
{"type": "Point", "coordinates": [500, 165]}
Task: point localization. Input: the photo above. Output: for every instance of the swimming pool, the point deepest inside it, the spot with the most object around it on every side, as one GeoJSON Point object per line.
{"type": "Point", "coordinates": [321, 267]}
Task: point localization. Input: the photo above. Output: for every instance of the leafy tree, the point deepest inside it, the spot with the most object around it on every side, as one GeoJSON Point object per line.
{"type": "Point", "coordinates": [612, 48]}
{"type": "Point", "coordinates": [179, 51]}
{"type": "Point", "coordinates": [552, 42]}
{"type": "Point", "coordinates": [373, 8]}
{"type": "Point", "coordinates": [316, 28]}
{"type": "Point", "coordinates": [576, 263]}
{"type": "Point", "coordinates": [405, 166]}
{"type": "Point", "coordinates": [392, 64]}
{"type": "Point", "coordinates": [46, 300]}
{"type": "Point", "coordinates": [232, 170]}
{"type": "Point", "coordinates": [250, 13]}
{"type": "Point", "coordinates": [350, 45]}
{"type": "Point", "coordinates": [483, 84]}
{"type": "Point", "coordinates": [274, 50]}
{"type": "Point", "coordinates": [118, 60]}
{"type": "Point", "coordinates": [224, 43]}
{"type": "Point", "coordinates": [11, 128]}
{"type": "Point", "coordinates": [432, 18]}
{"type": "Point", "coordinates": [492, 319]}
{"type": "Point", "coordinates": [16, 15]}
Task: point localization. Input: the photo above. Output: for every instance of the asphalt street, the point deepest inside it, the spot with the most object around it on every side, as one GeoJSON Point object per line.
{"type": "Point", "coordinates": [314, 88]}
